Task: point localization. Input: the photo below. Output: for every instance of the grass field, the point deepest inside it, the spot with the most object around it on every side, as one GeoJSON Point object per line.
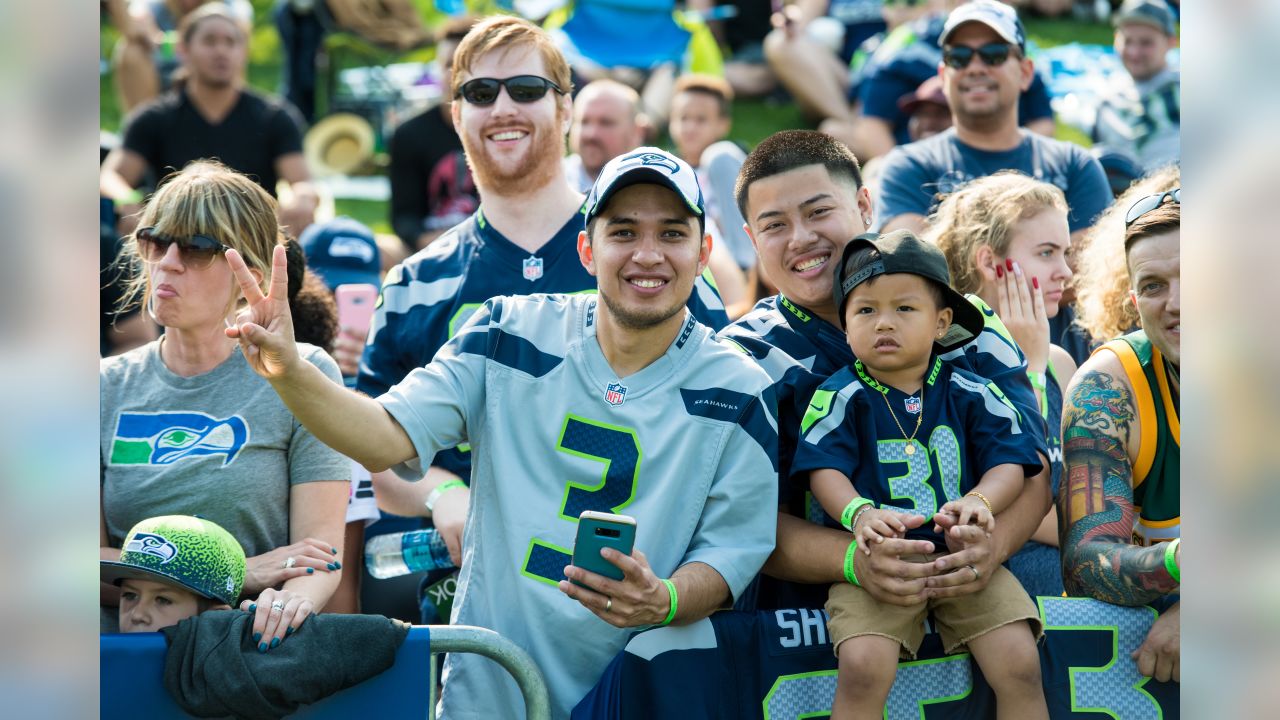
{"type": "Point", "coordinates": [753, 120]}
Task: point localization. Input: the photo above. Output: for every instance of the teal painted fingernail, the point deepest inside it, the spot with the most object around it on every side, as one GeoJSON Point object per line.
{"type": "Point", "coordinates": [275, 642]}
{"type": "Point", "coordinates": [288, 630]}
{"type": "Point", "coordinates": [253, 607]}
{"type": "Point", "coordinates": [332, 567]}
{"type": "Point", "coordinates": [333, 550]}
{"type": "Point", "coordinates": [337, 565]}
{"type": "Point", "coordinates": [257, 637]}
{"type": "Point", "coordinates": [310, 570]}
{"type": "Point", "coordinates": [262, 647]}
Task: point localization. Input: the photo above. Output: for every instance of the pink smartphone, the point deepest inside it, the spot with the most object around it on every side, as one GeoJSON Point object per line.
{"type": "Point", "coordinates": [355, 306]}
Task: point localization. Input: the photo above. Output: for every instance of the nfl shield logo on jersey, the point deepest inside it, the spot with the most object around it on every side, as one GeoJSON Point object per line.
{"type": "Point", "coordinates": [913, 405]}
{"type": "Point", "coordinates": [615, 393]}
{"type": "Point", "coordinates": [532, 268]}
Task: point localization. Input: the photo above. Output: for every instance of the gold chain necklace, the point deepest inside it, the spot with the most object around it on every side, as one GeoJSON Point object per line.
{"type": "Point", "coordinates": [910, 449]}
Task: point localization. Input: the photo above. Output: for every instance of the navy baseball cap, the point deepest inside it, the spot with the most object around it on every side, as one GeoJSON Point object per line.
{"type": "Point", "coordinates": [342, 251]}
{"type": "Point", "coordinates": [901, 251]}
{"type": "Point", "coordinates": [647, 165]}
{"type": "Point", "coordinates": [1155, 13]}
{"type": "Point", "coordinates": [996, 15]}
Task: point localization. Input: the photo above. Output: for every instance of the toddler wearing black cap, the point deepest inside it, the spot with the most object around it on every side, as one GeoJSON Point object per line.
{"type": "Point", "coordinates": [901, 433]}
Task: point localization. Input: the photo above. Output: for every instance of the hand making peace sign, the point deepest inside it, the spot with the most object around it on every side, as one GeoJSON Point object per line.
{"type": "Point", "coordinates": [264, 327]}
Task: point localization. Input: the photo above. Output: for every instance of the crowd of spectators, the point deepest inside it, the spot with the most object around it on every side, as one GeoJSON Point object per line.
{"type": "Point", "coordinates": [227, 370]}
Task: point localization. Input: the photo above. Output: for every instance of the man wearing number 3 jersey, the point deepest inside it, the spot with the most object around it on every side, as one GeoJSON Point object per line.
{"type": "Point", "coordinates": [618, 402]}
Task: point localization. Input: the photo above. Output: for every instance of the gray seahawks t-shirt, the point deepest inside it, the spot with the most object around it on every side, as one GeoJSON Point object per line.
{"type": "Point", "coordinates": [221, 445]}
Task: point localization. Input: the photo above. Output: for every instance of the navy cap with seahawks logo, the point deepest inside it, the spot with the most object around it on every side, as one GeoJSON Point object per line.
{"type": "Point", "coordinates": [646, 165]}
{"type": "Point", "coordinates": [902, 252]}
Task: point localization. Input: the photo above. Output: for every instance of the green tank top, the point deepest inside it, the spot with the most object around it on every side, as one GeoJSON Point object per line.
{"type": "Point", "coordinates": [1156, 472]}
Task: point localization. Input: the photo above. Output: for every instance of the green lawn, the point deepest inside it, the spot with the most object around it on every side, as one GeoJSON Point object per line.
{"type": "Point", "coordinates": [753, 120]}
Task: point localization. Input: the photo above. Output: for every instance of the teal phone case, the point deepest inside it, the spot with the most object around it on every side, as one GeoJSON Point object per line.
{"type": "Point", "coordinates": [594, 534]}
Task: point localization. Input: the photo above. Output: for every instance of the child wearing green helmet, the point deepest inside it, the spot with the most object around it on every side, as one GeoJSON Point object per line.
{"type": "Point", "coordinates": [174, 567]}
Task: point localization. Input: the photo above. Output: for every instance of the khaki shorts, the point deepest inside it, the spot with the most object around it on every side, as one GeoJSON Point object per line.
{"type": "Point", "coordinates": [854, 612]}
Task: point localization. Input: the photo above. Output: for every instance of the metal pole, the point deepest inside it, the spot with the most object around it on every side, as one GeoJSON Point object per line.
{"type": "Point", "coordinates": [466, 638]}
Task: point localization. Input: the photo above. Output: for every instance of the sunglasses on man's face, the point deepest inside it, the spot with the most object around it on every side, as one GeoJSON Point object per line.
{"type": "Point", "coordinates": [197, 251]}
{"type": "Point", "coordinates": [521, 88]}
{"type": "Point", "coordinates": [992, 54]}
{"type": "Point", "coordinates": [1149, 203]}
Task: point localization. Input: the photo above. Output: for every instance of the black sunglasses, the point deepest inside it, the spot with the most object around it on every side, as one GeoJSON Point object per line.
{"type": "Point", "coordinates": [521, 88]}
{"type": "Point", "coordinates": [1149, 203]}
{"type": "Point", "coordinates": [992, 54]}
{"type": "Point", "coordinates": [197, 251]}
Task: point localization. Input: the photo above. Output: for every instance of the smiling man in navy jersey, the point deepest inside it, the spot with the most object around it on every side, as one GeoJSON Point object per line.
{"type": "Point", "coordinates": [512, 109]}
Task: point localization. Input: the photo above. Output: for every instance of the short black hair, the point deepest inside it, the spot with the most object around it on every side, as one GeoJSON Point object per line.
{"type": "Point", "coordinates": [790, 149]}
{"type": "Point", "coordinates": [713, 86]}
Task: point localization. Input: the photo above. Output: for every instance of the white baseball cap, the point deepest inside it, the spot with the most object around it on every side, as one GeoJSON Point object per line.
{"type": "Point", "coordinates": [646, 165]}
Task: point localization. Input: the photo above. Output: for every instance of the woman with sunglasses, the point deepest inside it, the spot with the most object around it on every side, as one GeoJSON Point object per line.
{"type": "Point", "coordinates": [188, 428]}
{"type": "Point", "coordinates": [1006, 240]}
{"type": "Point", "coordinates": [1120, 538]}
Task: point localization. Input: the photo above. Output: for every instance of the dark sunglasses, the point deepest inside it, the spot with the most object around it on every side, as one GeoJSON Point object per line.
{"type": "Point", "coordinates": [197, 251]}
{"type": "Point", "coordinates": [1149, 203]}
{"type": "Point", "coordinates": [992, 54]}
{"type": "Point", "coordinates": [521, 88]}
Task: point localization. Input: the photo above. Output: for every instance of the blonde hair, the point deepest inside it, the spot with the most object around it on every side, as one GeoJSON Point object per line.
{"type": "Point", "coordinates": [984, 212]}
{"type": "Point", "coordinates": [207, 198]}
{"type": "Point", "coordinates": [503, 32]}
{"type": "Point", "coordinates": [1102, 276]}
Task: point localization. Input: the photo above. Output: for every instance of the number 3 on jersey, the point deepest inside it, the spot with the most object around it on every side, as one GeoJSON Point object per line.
{"type": "Point", "coordinates": [914, 484]}
{"type": "Point", "coordinates": [618, 448]}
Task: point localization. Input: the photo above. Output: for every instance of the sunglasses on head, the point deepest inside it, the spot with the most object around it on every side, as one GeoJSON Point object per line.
{"type": "Point", "coordinates": [197, 251]}
{"type": "Point", "coordinates": [992, 54]}
{"type": "Point", "coordinates": [1149, 203]}
{"type": "Point", "coordinates": [521, 88]}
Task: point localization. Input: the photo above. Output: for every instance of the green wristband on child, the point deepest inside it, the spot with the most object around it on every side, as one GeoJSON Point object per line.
{"type": "Point", "coordinates": [850, 573]}
{"type": "Point", "coordinates": [1171, 560]}
{"type": "Point", "coordinates": [851, 510]}
{"type": "Point", "coordinates": [671, 590]}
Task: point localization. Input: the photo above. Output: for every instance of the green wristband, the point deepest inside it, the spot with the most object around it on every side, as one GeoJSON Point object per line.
{"type": "Point", "coordinates": [441, 489]}
{"type": "Point", "coordinates": [846, 517]}
{"type": "Point", "coordinates": [675, 603]}
{"type": "Point", "coordinates": [850, 573]}
{"type": "Point", "coordinates": [1039, 381]}
{"type": "Point", "coordinates": [1171, 560]}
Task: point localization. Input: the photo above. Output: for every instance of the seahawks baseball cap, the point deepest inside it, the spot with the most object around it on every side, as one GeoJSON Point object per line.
{"type": "Point", "coordinates": [181, 550]}
{"type": "Point", "coordinates": [902, 252]}
{"type": "Point", "coordinates": [996, 15]}
{"type": "Point", "coordinates": [343, 251]}
{"type": "Point", "coordinates": [1155, 13]}
{"type": "Point", "coordinates": [646, 165]}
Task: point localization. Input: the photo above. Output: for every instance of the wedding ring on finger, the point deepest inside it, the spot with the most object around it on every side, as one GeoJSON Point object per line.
{"type": "Point", "coordinates": [608, 604]}
{"type": "Point", "coordinates": [277, 606]}
{"type": "Point", "coordinates": [976, 574]}
{"type": "Point", "coordinates": [290, 562]}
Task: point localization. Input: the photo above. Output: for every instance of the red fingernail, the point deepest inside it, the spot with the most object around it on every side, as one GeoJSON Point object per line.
{"type": "Point", "coordinates": [999, 271]}
{"type": "Point", "coordinates": [1008, 264]}
{"type": "Point", "coordinates": [1035, 282]}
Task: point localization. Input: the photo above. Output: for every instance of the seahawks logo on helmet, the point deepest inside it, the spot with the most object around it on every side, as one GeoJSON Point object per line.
{"type": "Point", "coordinates": [151, 544]}
{"type": "Point", "coordinates": [653, 159]}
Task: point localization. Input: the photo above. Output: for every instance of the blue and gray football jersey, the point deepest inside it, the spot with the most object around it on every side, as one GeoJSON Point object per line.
{"type": "Point", "coordinates": [966, 428]}
{"type": "Point", "coordinates": [687, 446]}
{"type": "Point", "coordinates": [428, 297]}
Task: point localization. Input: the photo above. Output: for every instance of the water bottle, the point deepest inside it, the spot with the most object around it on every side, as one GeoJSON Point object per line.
{"type": "Point", "coordinates": [402, 553]}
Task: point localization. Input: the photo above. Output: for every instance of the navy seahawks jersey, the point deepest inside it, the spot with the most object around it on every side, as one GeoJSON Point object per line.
{"type": "Point", "coordinates": [869, 432]}
{"type": "Point", "coordinates": [428, 297]}
{"type": "Point", "coordinates": [779, 665]}
{"type": "Point", "coordinates": [799, 350]}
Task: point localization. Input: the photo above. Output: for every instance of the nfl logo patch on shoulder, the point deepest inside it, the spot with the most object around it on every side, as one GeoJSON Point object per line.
{"type": "Point", "coordinates": [532, 268]}
{"type": "Point", "coordinates": [913, 405]}
{"type": "Point", "coordinates": [615, 393]}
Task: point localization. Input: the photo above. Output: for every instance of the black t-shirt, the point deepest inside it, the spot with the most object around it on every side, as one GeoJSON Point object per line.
{"type": "Point", "coordinates": [750, 25]}
{"type": "Point", "coordinates": [431, 185]}
{"type": "Point", "coordinates": [170, 132]}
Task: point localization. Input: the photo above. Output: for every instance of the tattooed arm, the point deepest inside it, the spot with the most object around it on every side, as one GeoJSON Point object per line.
{"type": "Point", "coordinates": [1099, 429]}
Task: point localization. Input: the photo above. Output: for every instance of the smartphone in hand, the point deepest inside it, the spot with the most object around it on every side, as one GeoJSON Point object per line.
{"type": "Point", "coordinates": [598, 530]}
{"type": "Point", "coordinates": [355, 306]}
